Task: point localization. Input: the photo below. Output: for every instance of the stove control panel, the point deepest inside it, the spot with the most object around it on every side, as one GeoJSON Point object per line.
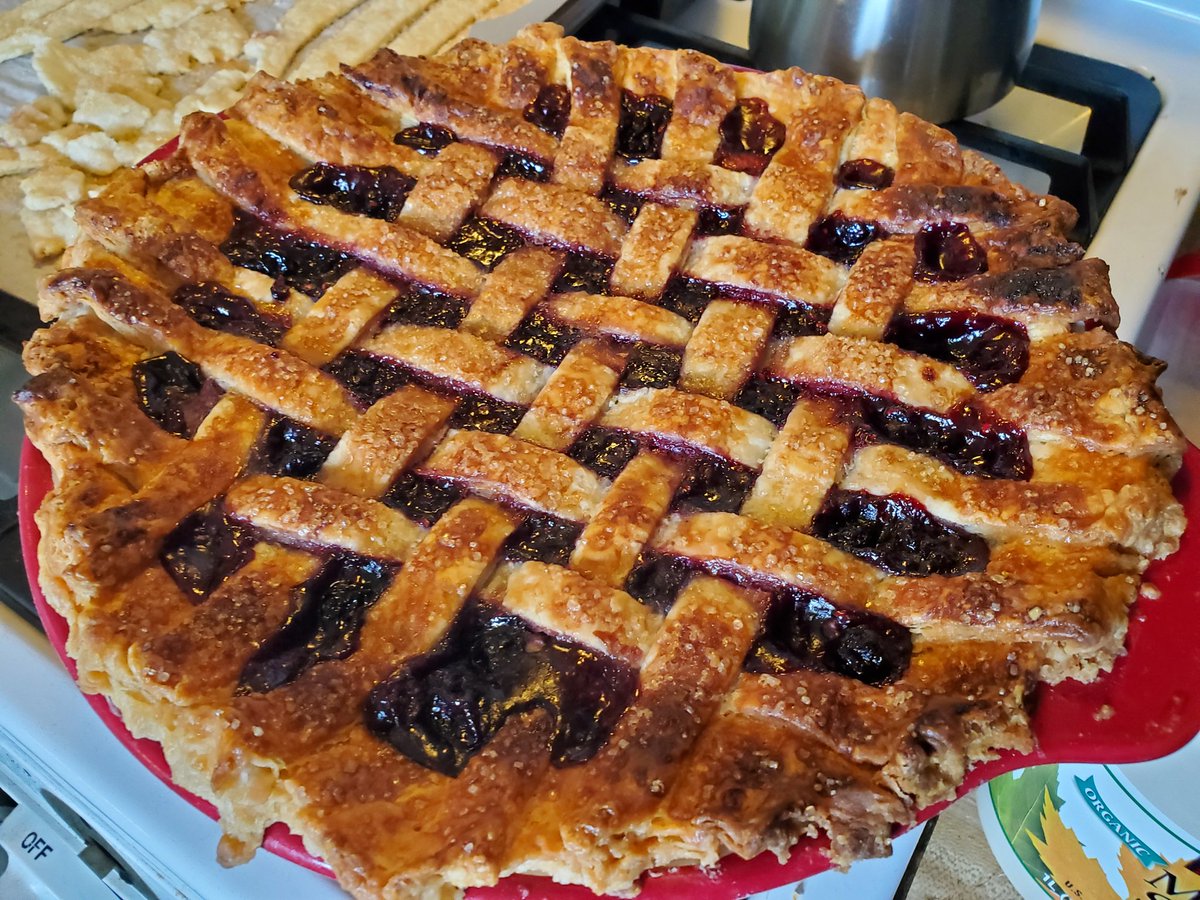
{"type": "Point", "coordinates": [47, 852]}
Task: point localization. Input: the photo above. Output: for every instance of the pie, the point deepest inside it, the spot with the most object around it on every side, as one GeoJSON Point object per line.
{"type": "Point", "coordinates": [568, 459]}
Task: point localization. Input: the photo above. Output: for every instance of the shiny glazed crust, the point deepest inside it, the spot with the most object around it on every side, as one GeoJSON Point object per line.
{"type": "Point", "coordinates": [709, 758]}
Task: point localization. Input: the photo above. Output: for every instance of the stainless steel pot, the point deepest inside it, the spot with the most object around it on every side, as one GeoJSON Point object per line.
{"type": "Point", "coordinates": [939, 59]}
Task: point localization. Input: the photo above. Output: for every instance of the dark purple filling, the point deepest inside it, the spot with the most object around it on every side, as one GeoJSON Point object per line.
{"type": "Point", "coordinates": [543, 337]}
{"type": "Point", "coordinates": [174, 393]}
{"type": "Point", "coordinates": [582, 272]}
{"type": "Point", "coordinates": [441, 709]}
{"type": "Point", "coordinates": [205, 549]}
{"type": "Point", "coordinates": [293, 263]}
{"type": "Point", "coordinates": [551, 109]}
{"type": "Point", "coordinates": [946, 251]}
{"type": "Point", "coordinates": [773, 400]}
{"type": "Point", "coordinates": [485, 241]}
{"type": "Point", "coordinates": [864, 173]}
{"type": "Point", "coordinates": [518, 165]}
{"type": "Point", "coordinates": [715, 485]}
{"type": "Point", "coordinates": [805, 631]}
{"type": "Point", "coordinates": [214, 307]}
{"type": "Point", "coordinates": [688, 297]}
{"type": "Point", "coordinates": [842, 238]}
{"type": "Point", "coordinates": [974, 441]}
{"type": "Point", "coordinates": [798, 319]}
{"type": "Point", "coordinates": [625, 204]}
{"type": "Point", "coordinates": [426, 139]}
{"type": "Point", "coordinates": [643, 121]}
{"type": "Point", "coordinates": [481, 412]}
{"type": "Point", "coordinates": [547, 539]}
{"type": "Point", "coordinates": [378, 193]}
{"type": "Point", "coordinates": [898, 534]}
{"type": "Point", "coordinates": [291, 449]}
{"type": "Point", "coordinates": [716, 220]}
{"type": "Point", "coordinates": [656, 580]}
{"type": "Point", "coordinates": [750, 135]}
{"type": "Point", "coordinates": [651, 366]}
{"type": "Point", "coordinates": [605, 451]}
{"type": "Point", "coordinates": [421, 305]}
{"type": "Point", "coordinates": [328, 613]}
{"type": "Point", "coordinates": [421, 498]}
{"type": "Point", "coordinates": [988, 350]}
{"type": "Point", "coordinates": [367, 377]}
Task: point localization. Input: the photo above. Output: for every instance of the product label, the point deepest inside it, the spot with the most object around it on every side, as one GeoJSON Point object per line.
{"type": "Point", "coordinates": [1082, 833]}
{"type": "Point", "coordinates": [1091, 793]}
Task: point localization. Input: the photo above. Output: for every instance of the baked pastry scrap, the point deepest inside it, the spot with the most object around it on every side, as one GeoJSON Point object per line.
{"type": "Point", "coordinates": [569, 459]}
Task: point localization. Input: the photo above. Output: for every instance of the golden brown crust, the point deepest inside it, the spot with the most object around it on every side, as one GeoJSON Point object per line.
{"type": "Point", "coordinates": [689, 393]}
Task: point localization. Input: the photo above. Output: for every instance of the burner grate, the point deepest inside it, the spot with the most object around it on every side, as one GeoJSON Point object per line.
{"type": "Point", "coordinates": [1123, 103]}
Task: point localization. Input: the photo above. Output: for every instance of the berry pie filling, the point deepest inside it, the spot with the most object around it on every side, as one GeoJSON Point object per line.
{"type": "Point", "coordinates": [549, 340]}
{"type": "Point", "coordinates": [368, 378]}
{"type": "Point", "coordinates": [843, 238]}
{"type": "Point", "coordinates": [946, 251]}
{"type": "Point", "coordinates": [550, 110]}
{"type": "Point", "coordinates": [214, 307]}
{"type": "Point", "coordinates": [625, 204]}
{"type": "Point", "coordinates": [642, 125]}
{"type": "Point", "coordinates": [543, 337]}
{"type": "Point", "coordinates": [584, 272]}
{"type": "Point", "coordinates": [422, 498]}
{"type": "Point", "coordinates": [971, 439]}
{"type": "Point", "coordinates": [898, 534]}
{"type": "Point", "coordinates": [805, 631]}
{"type": "Point", "coordinates": [288, 448]}
{"type": "Point", "coordinates": [795, 318]}
{"type": "Point", "coordinates": [371, 378]}
{"type": "Point", "coordinates": [656, 580]}
{"type": "Point", "coordinates": [174, 393]}
{"type": "Point", "coordinates": [869, 174]}
{"type": "Point", "coordinates": [651, 366]}
{"type": "Point", "coordinates": [519, 165]}
{"type": "Point", "coordinates": [718, 220]}
{"type": "Point", "coordinates": [968, 437]}
{"type": "Point", "coordinates": [989, 350]}
{"type": "Point", "coordinates": [292, 262]}
{"type": "Point", "coordinates": [442, 708]}
{"type": "Point", "coordinates": [485, 241]}
{"type": "Point", "coordinates": [328, 614]}
{"type": "Point", "coordinates": [482, 412]}
{"type": "Point", "coordinates": [687, 297]}
{"type": "Point", "coordinates": [711, 220]}
{"type": "Point", "coordinates": [750, 136]}
{"type": "Point", "coordinates": [771, 399]}
{"type": "Point", "coordinates": [426, 138]}
{"type": "Point", "coordinates": [713, 484]}
{"type": "Point", "coordinates": [801, 630]}
{"type": "Point", "coordinates": [606, 451]}
{"type": "Point", "coordinates": [543, 538]}
{"type": "Point", "coordinates": [422, 305]}
{"type": "Point", "coordinates": [204, 549]}
{"type": "Point", "coordinates": [378, 193]}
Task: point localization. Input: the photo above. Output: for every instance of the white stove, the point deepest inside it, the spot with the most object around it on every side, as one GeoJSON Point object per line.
{"type": "Point", "coordinates": [57, 757]}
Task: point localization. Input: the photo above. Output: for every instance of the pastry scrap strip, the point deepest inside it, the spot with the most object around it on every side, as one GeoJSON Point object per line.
{"type": "Point", "coordinates": [588, 434]}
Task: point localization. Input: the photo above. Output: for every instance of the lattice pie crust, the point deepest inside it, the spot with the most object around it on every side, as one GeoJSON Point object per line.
{"type": "Point", "coordinates": [569, 459]}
